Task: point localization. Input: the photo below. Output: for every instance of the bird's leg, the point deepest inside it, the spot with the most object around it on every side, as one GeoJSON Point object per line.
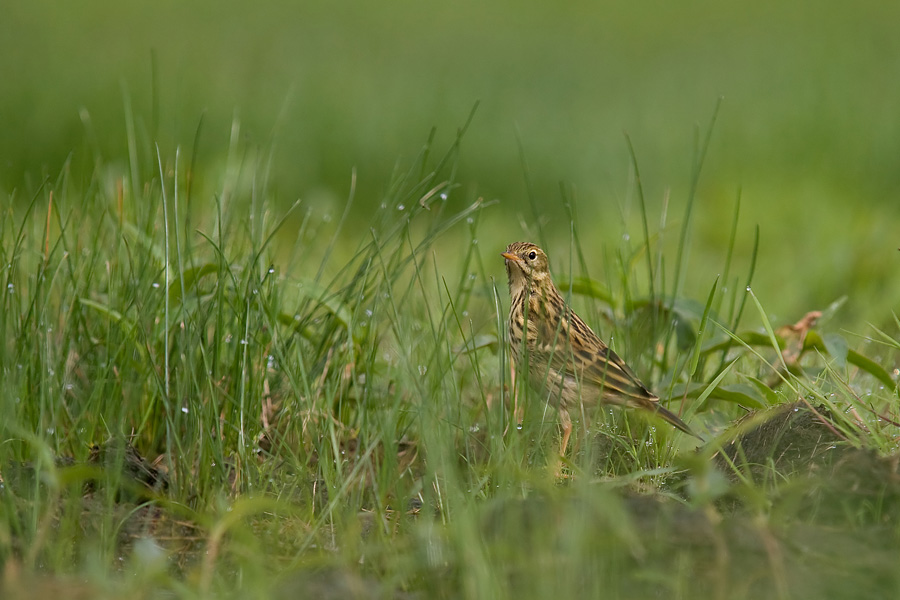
{"type": "Point", "coordinates": [566, 421]}
{"type": "Point", "coordinates": [513, 388]}
{"type": "Point", "coordinates": [516, 410]}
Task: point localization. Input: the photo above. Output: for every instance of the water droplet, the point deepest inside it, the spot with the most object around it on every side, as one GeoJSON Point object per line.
{"type": "Point", "coordinates": [185, 409]}
{"type": "Point", "coordinates": [444, 195]}
{"type": "Point", "coordinates": [626, 237]}
{"type": "Point", "coordinates": [422, 369]}
{"type": "Point", "coordinates": [470, 220]}
{"type": "Point", "coordinates": [10, 288]}
{"type": "Point", "coordinates": [401, 207]}
{"type": "Point", "coordinates": [748, 288]}
{"type": "Point", "coordinates": [155, 285]}
{"type": "Point", "coordinates": [244, 342]}
{"type": "Point", "coordinates": [475, 242]}
{"type": "Point", "coordinates": [271, 270]}
{"type": "Point", "coordinates": [368, 312]}
{"type": "Point", "coordinates": [519, 426]}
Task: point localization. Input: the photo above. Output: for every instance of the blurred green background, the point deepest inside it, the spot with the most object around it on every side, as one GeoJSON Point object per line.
{"type": "Point", "coordinates": [809, 126]}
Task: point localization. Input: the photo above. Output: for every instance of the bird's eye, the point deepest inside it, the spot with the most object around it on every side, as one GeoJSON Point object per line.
{"type": "Point", "coordinates": [532, 255]}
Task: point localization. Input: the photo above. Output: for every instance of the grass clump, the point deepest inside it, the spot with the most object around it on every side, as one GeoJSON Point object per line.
{"type": "Point", "coordinates": [201, 399]}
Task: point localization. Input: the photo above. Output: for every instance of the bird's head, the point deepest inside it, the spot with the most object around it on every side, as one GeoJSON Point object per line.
{"type": "Point", "coordinates": [526, 262]}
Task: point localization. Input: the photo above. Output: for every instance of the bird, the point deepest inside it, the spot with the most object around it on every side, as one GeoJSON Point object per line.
{"type": "Point", "coordinates": [564, 359]}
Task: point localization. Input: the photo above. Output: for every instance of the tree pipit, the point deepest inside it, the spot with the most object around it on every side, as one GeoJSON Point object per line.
{"type": "Point", "coordinates": [564, 359]}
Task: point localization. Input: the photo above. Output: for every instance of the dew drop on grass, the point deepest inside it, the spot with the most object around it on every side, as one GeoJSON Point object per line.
{"type": "Point", "coordinates": [155, 285]}
{"type": "Point", "coordinates": [519, 426]}
{"type": "Point", "coordinates": [401, 207]}
{"type": "Point", "coordinates": [422, 369]}
{"type": "Point", "coordinates": [748, 288]}
{"type": "Point", "coordinates": [185, 409]}
{"type": "Point", "coordinates": [470, 220]}
{"type": "Point", "coordinates": [244, 342]}
{"type": "Point", "coordinates": [10, 288]}
{"type": "Point", "coordinates": [368, 312]}
{"type": "Point", "coordinates": [626, 237]}
{"type": "Point", "coordinates": [444, 197]}
{"type": "Point", "coordinates": [271, 270]}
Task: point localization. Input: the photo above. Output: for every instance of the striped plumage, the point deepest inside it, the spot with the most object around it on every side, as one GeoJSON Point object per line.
{"type": "Point", "coordinates": [564, 358]}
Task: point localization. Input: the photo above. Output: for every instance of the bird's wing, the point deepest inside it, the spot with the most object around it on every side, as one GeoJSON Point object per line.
{"type": "Point", "coordinates": [573, 348]}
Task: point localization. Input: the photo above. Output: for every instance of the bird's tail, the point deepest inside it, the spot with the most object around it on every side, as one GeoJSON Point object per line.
{"type": "Point", "coordinates": [672, 418]}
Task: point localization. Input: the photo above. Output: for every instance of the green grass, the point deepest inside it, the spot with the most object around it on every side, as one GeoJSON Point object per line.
{"type": "Point", "coordinates": [329, 411]}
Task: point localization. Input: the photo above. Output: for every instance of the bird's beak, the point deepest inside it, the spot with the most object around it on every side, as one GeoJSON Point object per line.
{"type": "Point", "coordinates": [510, 256]}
